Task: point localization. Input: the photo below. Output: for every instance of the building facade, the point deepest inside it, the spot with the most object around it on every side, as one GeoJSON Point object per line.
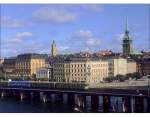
{"type": "Point", "coordinates": [8, 67]}
{"type": "Point", "coordinates": [80, 70]}
{"type": "Point", "coordinates": [28, 64]}
{"type": "Point", "coordinates": [127, 42]}
{"type": "Point", "coordinates": [131, 67]}
{"type": "Point", "coordinates": [117, 66]}
{"type": "Point", "coordinates": [1, 61]}
{"type": "Point", "coordinates": [143, 66]}
{"type": "Point", "coordinates": [44, 73]}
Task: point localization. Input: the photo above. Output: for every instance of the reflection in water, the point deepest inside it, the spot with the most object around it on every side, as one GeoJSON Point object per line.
{"type": "Point", "coordinates": [16, 106]}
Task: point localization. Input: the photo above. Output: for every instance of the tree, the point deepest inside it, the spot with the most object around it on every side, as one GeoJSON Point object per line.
{"type": "Point", "coordinates": [135, 75]}
{"type": "Point", "coordinates": [109, 79]}
{"type": "Point", "coordinates": [33, 76]}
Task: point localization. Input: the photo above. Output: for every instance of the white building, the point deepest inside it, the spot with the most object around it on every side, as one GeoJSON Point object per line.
{"type": "Point", "coordinates": [117, 66]}
{"type": "Point", "coordinates": [80, 70]}
{"type": "Point", "coordinates": [44, 73]}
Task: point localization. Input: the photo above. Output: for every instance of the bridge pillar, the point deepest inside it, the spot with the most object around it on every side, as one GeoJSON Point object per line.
{"type": "Point", "coordinates": [6, 93]}
{"type": "Point", "coordinates": [3, 94]}
{"type": "Point", "coordinates": [53, 97]}
{"type": "Point", "coordinates": [139, 104]}
{"type": "Point", "coordinates": [106, 103]}
{"type": "Point", "coordinates": [148, 104]}
{"type": "Point", "coordinates": [59, 98]}
{"type": "Point", "coordinates": [16, 94]}
{"type": "Point", "coordinates": [126, 104]}
{"type": "Point", "coordinates": [94, 103]}
{"type": "Point", "coordinates": [81, 101]}
{"type": "Point", "coordinates": [71, 99]}
{"type": "Point", "coordinates": [35, 96]}
{"type": "Point", "coordinates": [24, 95]}
{"type": "Point", "coordinates": [43, 97]}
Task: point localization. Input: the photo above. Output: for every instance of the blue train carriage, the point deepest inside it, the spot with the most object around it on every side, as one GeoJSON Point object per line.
{"type": "Point", "coordinates": [19, 84]}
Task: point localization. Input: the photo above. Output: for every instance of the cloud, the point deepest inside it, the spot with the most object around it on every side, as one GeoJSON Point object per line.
{"type": "Point", "coordinates": [23, 42]}
{"type": "Point", "coordinates": [63, 48]}
{"type": "Point", "coordinates": [54, 15]}
{"type": "Point", "coordinates": [19, 37]}
{"type": "Point", "coordinates": [93, 7]}
{"type": "Point", "coordinates": [86, 37]}
{"type": "Point", "coordinates": [82, 40]}
{"type": "Point", "coordinates": [8, 22]}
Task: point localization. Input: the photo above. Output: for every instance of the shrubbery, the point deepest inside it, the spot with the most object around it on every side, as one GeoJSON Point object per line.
{"type": "Point", "coordinates": [122, 78]}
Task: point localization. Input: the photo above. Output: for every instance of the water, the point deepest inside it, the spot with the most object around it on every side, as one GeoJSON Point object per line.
{"type": "Point", "coordinates": [13, 105]}
{"type": "Point", "coordinates": [10, 105]}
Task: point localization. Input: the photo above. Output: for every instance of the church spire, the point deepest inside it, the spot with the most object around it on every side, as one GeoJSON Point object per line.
{"type": "Point", "coordinates": [53, 49]}
{"type": "Point", "coordinates": [127, 28]}
{"type": "Point", "coordinates": [127, 41]}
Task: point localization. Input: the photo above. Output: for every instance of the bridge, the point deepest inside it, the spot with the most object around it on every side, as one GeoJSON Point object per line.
{"type": "Point", "coordinates": [76, 93]}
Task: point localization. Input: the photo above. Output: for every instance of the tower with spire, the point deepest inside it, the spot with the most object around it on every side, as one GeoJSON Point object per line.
{"type": "Point", "coordinates": [127, 41]}
{"type": "Point", "coordinates": [53, 49]}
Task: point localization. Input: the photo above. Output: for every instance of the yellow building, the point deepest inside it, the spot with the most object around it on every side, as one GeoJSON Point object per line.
{"type": "Point", "coordinates": [80, 70]}
{"type": "Point", "coordinates": [117, 66]}
{"type": "Point", "coordinates": [53, 49]}
{"type": "Point", "coordinates": [28, 64]}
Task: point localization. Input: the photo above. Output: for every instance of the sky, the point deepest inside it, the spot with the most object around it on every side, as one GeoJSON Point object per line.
{"type": "Point", "coordinates": [31, 28]}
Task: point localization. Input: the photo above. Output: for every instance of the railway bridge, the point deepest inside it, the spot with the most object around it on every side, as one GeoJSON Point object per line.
{"type": "Point", "coordinates": [77, 93]}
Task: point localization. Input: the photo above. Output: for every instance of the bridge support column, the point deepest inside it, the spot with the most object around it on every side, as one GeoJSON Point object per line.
{"type": "Point", "coordinates": [59, 98]}
{"type": "Point", "coordinates": [148, 104]}
{"type": "Point", "coordinates": [43, 97]}
{"type": "Point", "coordinates": [139, 104]}
{"type": "Point", "coordinates": [71, 99]}
{"type": "Point", "coordinates": [24, 95]}
{"type": "Point", "coordinates": [106, 103]}
{"type": "Point", "coordinates": [81, 101]}
{"type": "Point", "coordinates": [94, 103]}
{"type": "Point", "coordinates": [126, 104]}
{"type": "Point", "coordinates": [14, 93]}
{"type": "Point", "coordinates": [35, 96]}
{"type": "Point", "coordinates": [3, 94]}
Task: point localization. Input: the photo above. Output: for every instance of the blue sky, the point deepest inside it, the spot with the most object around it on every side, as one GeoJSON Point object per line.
{"type": "Point", "coordinates": [32, 27]}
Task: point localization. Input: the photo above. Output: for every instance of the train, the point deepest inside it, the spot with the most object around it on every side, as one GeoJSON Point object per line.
{"type": "Point", "coordinates": [43, 85]}
{"type": "Point", "coordinates": [19, 83]}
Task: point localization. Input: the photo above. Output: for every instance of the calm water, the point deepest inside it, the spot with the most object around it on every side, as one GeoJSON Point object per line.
{"type": "Point", "coordinates": [12, 105]}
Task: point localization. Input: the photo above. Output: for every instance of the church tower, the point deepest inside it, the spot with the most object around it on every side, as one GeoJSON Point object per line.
{"type": "Point", "coordinates": [127, 42]}
{"type": "Point", "coordinates": [53, 49]}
